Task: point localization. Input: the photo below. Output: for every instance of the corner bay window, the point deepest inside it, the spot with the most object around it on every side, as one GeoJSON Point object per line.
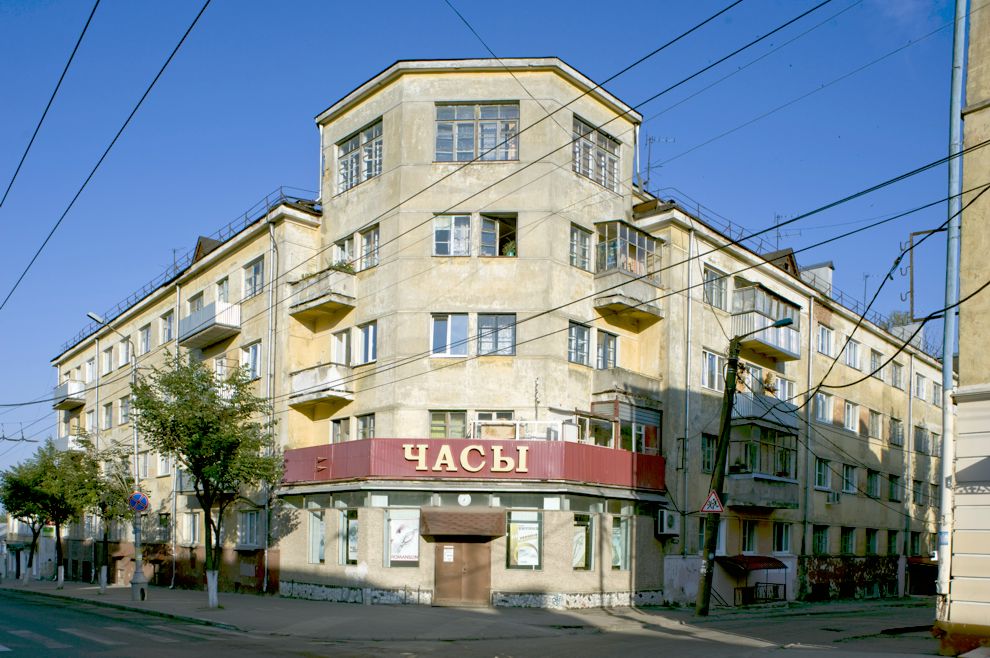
{"type": "Point", "coordinates": [359, 157]}
{"type": "Point", "coordinates": [596, 155]}
{"type": "Point", "coordinates": [525, 540]}
{"type": "Point", "coordinates": [470, 131]}
{"type": "Point", "coordinates": [625, 248]}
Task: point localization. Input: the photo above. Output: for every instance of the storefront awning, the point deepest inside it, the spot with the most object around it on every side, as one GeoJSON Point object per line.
{"type": "Point", "coordinates": [459, 523]}
{"type": "Point", "coordinates": [921, 560]}
{"type": "Point", "coordinates": [747, 563]}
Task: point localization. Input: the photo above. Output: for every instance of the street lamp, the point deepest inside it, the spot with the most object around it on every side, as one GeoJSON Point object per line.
{"type": "Point", "coordinates": [139, 583]}
{"type": "Point", "coordinates": [718, 472]}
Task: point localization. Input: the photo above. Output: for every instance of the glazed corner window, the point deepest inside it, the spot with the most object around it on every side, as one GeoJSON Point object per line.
{"type": "Point", "coordinates": [580, 248]}
{"type": "Point", "coordinates": [715, 288]}
{"type": "Point", "coordinates": [317, 538]}
{"type": "Point", "coordinates": [596, 155]}
{"type": "Point", "coordinates": [583, 544]}
{"type": "Point", "coordinates": [448, 424]}
{"type": "Point", "coordinates": [166, 327]}
{"type": "Point", "coordinates": [450, 334]}
{"type": "Point", "coordinates": [348, 536]}
{"type": "Point", "coordinates": [251, 360]}
{"type": "Point", "coordinates": [466, 132]}
{"type": "Point", "coordinates": [606, 352]}
{"type": "Point", "coordinates": [498, 236]}
{"type": "Point", "coordinates": [620, 543]}
{"type": "Point", "coordinates": [369, 248]}
{"type": "Point", "coordinates": [247, 528]}
{"type": "Point", "coordinates": [578, 336]}
{"type": "Point", "coordinates": [359, 157]}
{"type": "Point", "coordinates": [627, 249]}
{"type": "Point", "coordinates": [497, 334]}
{"type": "Point", "coordinates": [525, 541]}
{"type": "Point", "coordinates": [254, 277]}
{"type": "Point", "coordinates": [369, 343]}
{"type": "Point", "coordinates": [452, 235]}
{"type": "Point", "coordinates": [366, 426]}
{"type": "Point", "coordinates": [403, 538]}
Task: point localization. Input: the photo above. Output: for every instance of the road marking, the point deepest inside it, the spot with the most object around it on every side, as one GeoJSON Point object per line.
{"type": "Point", "coordinates": [131, 631]}
{"type": "Point", "coordinates": [34, 637]}
{"type": "Point", "coordinates": [92, 638]}
{"type": "Point", "coordinates": [3, 648]}
{"type": "Point", "coordinates": [175, 629]}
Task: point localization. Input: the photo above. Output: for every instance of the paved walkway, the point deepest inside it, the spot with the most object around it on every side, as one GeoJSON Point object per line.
{"type": "Point", "coordinates": [341, 621]}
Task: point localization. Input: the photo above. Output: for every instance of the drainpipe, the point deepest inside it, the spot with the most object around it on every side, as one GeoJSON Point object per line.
{"type": "Point", "coordinates": [909, 448]}
{"type": "Point", "coordinates": [320, 163]}
{"type": "Point", "coordinates": [175, 467]}
{"type": "Point", "coordinates": [807, 427]}
{"type": "Point", "coordinates": [96, 409]}
{"type": "Point", "coordinates": [687, 392]}
{"type": "Point", "coordinates": [272, 304]}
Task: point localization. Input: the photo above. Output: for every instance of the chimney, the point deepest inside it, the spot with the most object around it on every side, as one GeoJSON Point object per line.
{"type": "Point", "coordinates": [819, 276]}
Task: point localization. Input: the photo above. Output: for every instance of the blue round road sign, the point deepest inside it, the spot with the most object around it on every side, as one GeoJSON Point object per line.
{"type": "Point", "coordinates": [138, 501]}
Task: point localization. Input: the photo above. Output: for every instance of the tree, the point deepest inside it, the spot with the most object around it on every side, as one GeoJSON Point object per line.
{"type": "Point", "coordinates": [217, 431]}
{"type": "Point", "coordinates": [21, 495]}
{"type": "Point", "coordinates": [112, 487]}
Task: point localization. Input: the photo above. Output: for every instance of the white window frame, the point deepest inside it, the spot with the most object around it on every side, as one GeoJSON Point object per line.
{"type": "Point", "coordinates": [936, 393]}
{"type": "Point", "coordinates": [448, 422]}
{"type": "Point", "coordinates": [124, 410]}
{"type": "Point", "coordinates": [496, 236]}
{"type": "Point", "coordinates": [578, 343]}
{"type": "Point", "coordinates": [340, 430]}
{"type": "Point", "coordinates": [191, 527]}
{"type": "Point", "coordinates": [596, 155]}
{"type": "Point", "coordinates": [124, 352]}
{"type": "Point", "coordinates": [360, 155]}
{"type": "Point", "coordinates": [369, 247]}
{"type": "Point", "coordinates": [366, 426]}
{"type": "Point", "coordinates": [712, 369]}
{"type": "Point", "coordinates": [108, 415]}
{"type": "Point", "coordinates": [715, 288]}
{"type": "Point", "coordinates": [920, 386]}
{"type": "Point", "coordinates": [748, 537]}
{"type": "Point", "coordinates": [452, 235]}
{"type": "Point", "coordinates": [144, 339]}
{"type": "Point", "coordinates": [223, 290]}
{"type": "Point", "coordinates": [824, 409]}
{"type": "Point", "coordinates": [849, 478]}
{"type": "Point", "coordinates": [850, 416]}
{"type": "Point", "coordinates": [446, 327]}
{"type": "Point", "coordinates": [251, 359]}
{"type": "Point", "coordinates": [897, 375]}
{"type": "Point", "coordinates": [851, 354]}
{"type": "Point", "coordinates": [106, 366]}
{"type": "Point", "coordinates": [496, 334]}
{"type": "Point", "coordinates": [164, 466]}
{"type": "Point", "coordinates": [167, 327]}
{"type": "Point", "coordinates": [823, 474]}
{"type": "Point", "coordinates": [317, 537]}
{"type": "Point", "coordinates": [248, 528]}
{"type": "Point", "coordinates": [90, 370]}
{"type": "Point", "coordinates": [606, 350]}
{"type": "Point", "coordinates": [580, 248]}
{"type": "Point", "coordinates": [341, 345]}
{"type": "Point", "coordinates": [825, 339]}
{"type": "Point", "coordinates": [781, 538]}
{"type": "Point", "coordinates": [876, 364]}
{"type": "Point", "coordinates": [875, 430]}
{"type": "Point", "coordinates": [254, 277]}
{"type": "Point", "coordinates": [348, 536]}
{"type": "Point", "coordinates": [896, 432]}
{"type": "Point", "coordinates": [91, 421]}
{"type": "Point", "coordinates": [369, 343]}
{"type": "Point", "coordinates": [492, 128]}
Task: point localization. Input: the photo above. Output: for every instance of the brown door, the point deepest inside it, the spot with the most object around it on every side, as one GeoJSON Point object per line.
{"type": "Point", "coordinates": [463, 572]}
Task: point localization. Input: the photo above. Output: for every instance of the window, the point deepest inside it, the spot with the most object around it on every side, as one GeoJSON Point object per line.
{"type": "Point", "coordinates": [823, 474]}
{"type": "Point", "coordinates": [936, 394]}
{"type": "Point", "coordinates": [495, 415]}
{"type": "Point", "coordinates": [166, 325]}
{"type": "Point", "coordinates": [450, 334]}
{"type": "Point", "coordinates": [340, 430]}
{"type": "Point", "coordinates": [596, 155]}
{"type": "Point", "coordinates": [195, 302]}
{"type": "Point", "coordinates": [894, 491]}
{"type": "Point", "coordinates": [90, 370]}
{"type": "Point", "coordinates": [452, 235]}
{"type": "Point", "coordinates": [144, 339]}
{"type": "Point", "coordinates": [251, 360]}
{"type": "Point", "coordinates": [851, 417]}
{"type": "Point", "coordinates": [896, 432]}
{"type": "Point", "coordinates": [714, 289]}
{"type": "Point", "coordinates": [577, 343]}
{"type": "Point", "coordinates": [366, 426]}
{"type": "Point", "coordinates": [712, 366]}
{"type": "Point", "coordinates": [823, 407]}
{"type": "Point", "coordinates": [317, 538]}
{"type": "Point", "coordinates": [876, 424]}
{"type": "Point", "coordinates": [620, 543]}
{"type": "Point", "coordinates": [223, 290]}
{"type": "Point", "coordinates": [781, 537]}
{"type": "Point", "coordinates": [876, 364]}
{"type": "Point", "coordinates": [852, 354]}
{"type": "Point", "coordinates": [872, 483]}
{"type": "Point", "coordinates": [498, 236]}
{"type": "Point", "coordinates": [872, 541]}
{"type": "Point", "coordinates": [708, 443]}
{"type": "Point", "coordinates": [918, 492]}
{"type": "Point", "coordinates": [343, 251]}
{"type": "Point", "coordinates": [921, 440]}
{"type": "Point", "coordinates": [403, 537]}
{"type": "Point", "coordinates": [785, 390]}
{"type": "Point", "coordinates": [91, 421]}
{"type": "Point", "coordinates": [359, 157]}
{"type": "Point", "coordinates": [341, 343]}
{"type": "Point", "coordinates": [627, 249]}
{"type": "Point", "coordinates": [124, 410]}
{"type": "Point", "coordinates": [897, 375]}
{"type": "Point", "coordinates": [819, 540]}
{"type": "Point", "coordinates": [525, 541]}
{"type": "Point", "coordinates": [606, 351]}
{"type": "Point", "coordinates": [164, 465]}
{"type": "Point", "coordinates": [892, 546]}
{"type": "Point", "coordinates": [719, 541]}
{"type": "Point", "coordinates": [848, 478]}
{"type": "Point", "coordinates": [847, 541]}
{"type": "Point", "coordinates": [497, 334]}
{"type": "Point", "coordinates": [369, 248]}
{"type": "Point", "coordinates": [247, 528]}
{"type": "Point", "coordinates": [915, 543]}
{"type": "Point", "coordinates": [748, 536]}
{"type": "Point", "coordinates": [583, 543]}
{"type": "Point", "coordinates": [369, 343]}
{"type": "Point", "coordinates": [448, 424]}
{"type": "Point", "coordinates": [144, 463]}
{"type": "Point", "coordinates": [919, 386]}
{"type": "Point", "coordinates": [824, 340]}
{"type": "Point", "coordinates": [254, 277]}
{"type": "Point", "coordinates": [124, 353]}
{"type": "Point", "coordinates": [107, 360]}
{"type": "Point", "coordinates": [108, 415]}
{"type": "Point", "coordinates": [348, 540]}
{"type": "Point", "coordinates": [580, 248]}
{"type": "Point", "coordinates": [934, 499]}
{"type": "Point", "coordinates": [935, 444]}
{"type": "Point", "coordinates": [467, 132]}
{"type": "Point", "coordinates": [191, 527]}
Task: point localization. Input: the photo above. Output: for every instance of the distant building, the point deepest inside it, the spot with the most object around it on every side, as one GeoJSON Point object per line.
{"type": "Point", "coordinates": [501, 385]}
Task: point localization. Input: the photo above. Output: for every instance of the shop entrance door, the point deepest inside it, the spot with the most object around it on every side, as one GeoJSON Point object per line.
{"type": "Point", "coordinates": [463, 572]}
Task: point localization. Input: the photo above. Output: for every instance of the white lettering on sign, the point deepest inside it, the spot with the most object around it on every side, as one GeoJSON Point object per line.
{"type": "Point", "coordinates": [472, 458]}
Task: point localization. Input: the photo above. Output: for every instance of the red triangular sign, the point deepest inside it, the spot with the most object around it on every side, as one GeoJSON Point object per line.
{"type": "Point", "coordinates": [712, 504]}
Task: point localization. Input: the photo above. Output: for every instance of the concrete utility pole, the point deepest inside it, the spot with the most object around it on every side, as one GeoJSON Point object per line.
{"type": "Point", "coordinates": [718, 471]}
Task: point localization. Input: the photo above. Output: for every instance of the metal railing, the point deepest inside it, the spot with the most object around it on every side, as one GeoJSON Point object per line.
{"type": "Point", "coordinates": [250, 216]}
{"type": "Point", "coordinates": [760, 593]}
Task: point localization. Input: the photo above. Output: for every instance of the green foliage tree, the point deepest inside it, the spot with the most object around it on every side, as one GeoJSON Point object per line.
{"type": "Point", "coordinates": [218, 433]}
{"type": "Point", "coordinates": [21, 495]}
{"type": "Point", "coordinates": [112, 484]}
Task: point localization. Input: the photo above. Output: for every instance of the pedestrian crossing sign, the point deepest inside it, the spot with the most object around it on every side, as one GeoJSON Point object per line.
{"type": "Point", "coordinates": [712, 504]}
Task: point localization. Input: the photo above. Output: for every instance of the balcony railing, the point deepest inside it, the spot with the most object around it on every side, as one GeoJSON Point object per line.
{"type": "Point", "coordinates": [763, 474]}
{"type": "Point", "coordinates": [324, 293]}
{"type": "Point", "coordinates": [210, 324]}
{"type": "Point", "coordinates": [320, 383]}
{"type": "Point", "coordinates": [529, 430]}
{"type": "Point", "coordinates": [781, 343]}
{"type": "Point", "coordinates": [68, 442]}
{"type": "Point", "coordinates": [69, 395]}
{"type": "Point", "coordinates": [763, 410]}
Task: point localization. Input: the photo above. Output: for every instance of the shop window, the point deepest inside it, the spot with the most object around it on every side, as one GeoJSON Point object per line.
{"type": "Point", "coordinates": [403, 537]}
{"type": "Point", "coordinates": [317, 538]}
{"type": "Point", "coordinates": [620, 543]}
{"type": "Point", "coordinates": [348, 536]}
{"type": "Point", "coordinates": [525, 541]}
{"type": "Point", "coordinates": [583, 546]}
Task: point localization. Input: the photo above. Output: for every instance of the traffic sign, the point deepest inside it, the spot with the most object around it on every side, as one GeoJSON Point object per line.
{"type": "Point", "coordinates": [712, 504]}
{"type": "Point", "coordinates": [138, 502]}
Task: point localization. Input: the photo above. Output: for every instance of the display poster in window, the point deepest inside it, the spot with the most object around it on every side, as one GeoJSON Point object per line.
{"type": "Point", "coordinates": [579, 549]}
{"type": "Point", "coordinates": [403, 540]}
{"type": "Point", "coordinates": [524, 543]}
{"type": "Point", "coordinates": [352, 541]}
{"type": "Point", "coordinates": [618, 547]}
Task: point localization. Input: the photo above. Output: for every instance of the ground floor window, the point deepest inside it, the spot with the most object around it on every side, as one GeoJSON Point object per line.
{"type": "Point", "coordinates": [348, 536]}
{"type": "Point", "coordinates": [192, 527]}
{"type": "Point", "coordinates": [620, 543]}
{"type": "Point", "coordinates": [247, 528]}
{"type": "Point", "coordinates": [317, 538]}
{"type": "Point", "coordinates": [525, 543]}
{"type": "Point", "coordinates": [749, 536]}
{"type": "Point", "coordinates": [584, 543]}
{"type": "Point", "coordinates": [403, 538]}
{"type": "Point", "coordinates": [892, 548]}
{"type": "Point", "coordinates": [871, 541]}
{"type": "Point", "coordinates": [819, 540]}
{"type": "Point", "coordinates": [781, 537]}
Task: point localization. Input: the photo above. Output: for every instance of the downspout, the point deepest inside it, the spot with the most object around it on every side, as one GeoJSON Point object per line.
{"type": "Point", "coordinates": [175, 467]}
{"type": "Point", "coordinates": [320, 164]}
{"type": "Point", "coordinates": [96, 409]}
{"type": "Point", "coordinates": [272, 304]}
{"type": "Point", "coordinates": [807, 427]}
{"type": "Point", "coordinates": [687, 392]}
{"type": "Point", "coordinates": [909, 449]}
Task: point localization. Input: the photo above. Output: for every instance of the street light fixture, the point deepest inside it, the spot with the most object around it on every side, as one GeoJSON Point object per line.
{"type": "Point", "coordinates": [139, 583]}
{"type": "Point", "coordinates": [718, 472]}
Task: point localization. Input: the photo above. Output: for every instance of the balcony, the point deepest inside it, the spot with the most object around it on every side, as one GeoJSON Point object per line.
{"type": "Point", "coordinates": [68, 442]}
{"type": "Point", "coordinates": [620, 380]}
{"type": "Point", "coordinates": [627, 265]}
{"type": "Point", "coordinates": [321, 383]}
{"type": "Point", "coordinates": [765, 410]}
{"type": "Point", "coordinates": [209, 325]}
{"type": "Point", "coordinates": [780, 343]}
{"type": "Point", "coordinates": [325, 293]}
{"type": "Point", "coordinates": [518, 430]}
{"type": "Point", "coordinates": [69, 395]}
{"type": "Point", "coordinates": [762, 470]}
{"type": "Point", "coordinates": [624, 295]}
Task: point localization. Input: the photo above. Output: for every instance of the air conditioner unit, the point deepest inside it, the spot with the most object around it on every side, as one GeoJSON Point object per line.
{"type": "Point", "coordinates": [668, 522]}
{"type": "Point", "coordinates": [833, 498]}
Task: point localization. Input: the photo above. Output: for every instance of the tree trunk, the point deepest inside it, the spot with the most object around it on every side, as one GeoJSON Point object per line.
{"type": "Point", "coordinates": [211, 587]}
{"type": "Point", "coordinates": [105, 558]}
{"type": "Point", "coordinates": [212, 572]}
{"type": "Point", "coordinates": [59, 571]}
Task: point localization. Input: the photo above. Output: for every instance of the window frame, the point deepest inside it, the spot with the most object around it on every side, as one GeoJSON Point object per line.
{"type": "Point", "coordinates": [781, 538]}
{"type": "Point", "coordinates": [504, 227]}
{"type": "Point", "coordinates": [515, 519]}
{"type": "Point", "coordinates": [453, 346]}
{"type": "Point", "coordinates": [826, 338]}
{"type": "Point", "coordinates": [365, 426]}
{"type": "Point", "coordinates": [368, 353]}
{"type": "Point", "coordinates": [448, 424]}
{"type": "Point", "coordinates": [850, 416]}
{"type": "Point", "coordinates": [596, 155]}
{"type": "Point", "coordinates": [580, 240]}
{"type": "Point", "coordinates": [606, 350]}
{"type": "Point", "coordinates": [251, 359]}
{"type": "Point", "coordinates": [623, 524]}
{"type": "Point", "coordinates": [349, 537]}
{"type": "Point", "coordinates": [248, 528]}
{"type": "Point", "coordinates": [505, 147]}
{"type": "Point", "coordinates": [710, 360]}
{"type": "Point", "coordinates": [823, 474]}
{"type": "Point", "coordinates": [167, 327]}
{"type": "Point", "coordinates": [144, 340]}
{"type": "Point", "coordinates": [458, 232]}
{"type": "Point", "coordinates": [254, 277]}
{"type": "Point", "coordinates": [370, 246]}
{"type": "Point", "coordinates": [360, 156]}
{"type": "Point", "coordinates": [504, 322]}
{"type": "Point", "coordinates": [578, 347]}
{"type": "Point", "coordinates": [715, 287]}
{"type": "Point", "coordinates": [849, 483]}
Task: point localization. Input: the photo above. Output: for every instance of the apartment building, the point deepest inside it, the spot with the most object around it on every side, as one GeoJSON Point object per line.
{"type": "Point", "coordinates": [497, 366]}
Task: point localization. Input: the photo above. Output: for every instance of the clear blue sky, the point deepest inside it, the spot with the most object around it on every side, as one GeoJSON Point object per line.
{"type": "Point", "coordinates": [232, 119]}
